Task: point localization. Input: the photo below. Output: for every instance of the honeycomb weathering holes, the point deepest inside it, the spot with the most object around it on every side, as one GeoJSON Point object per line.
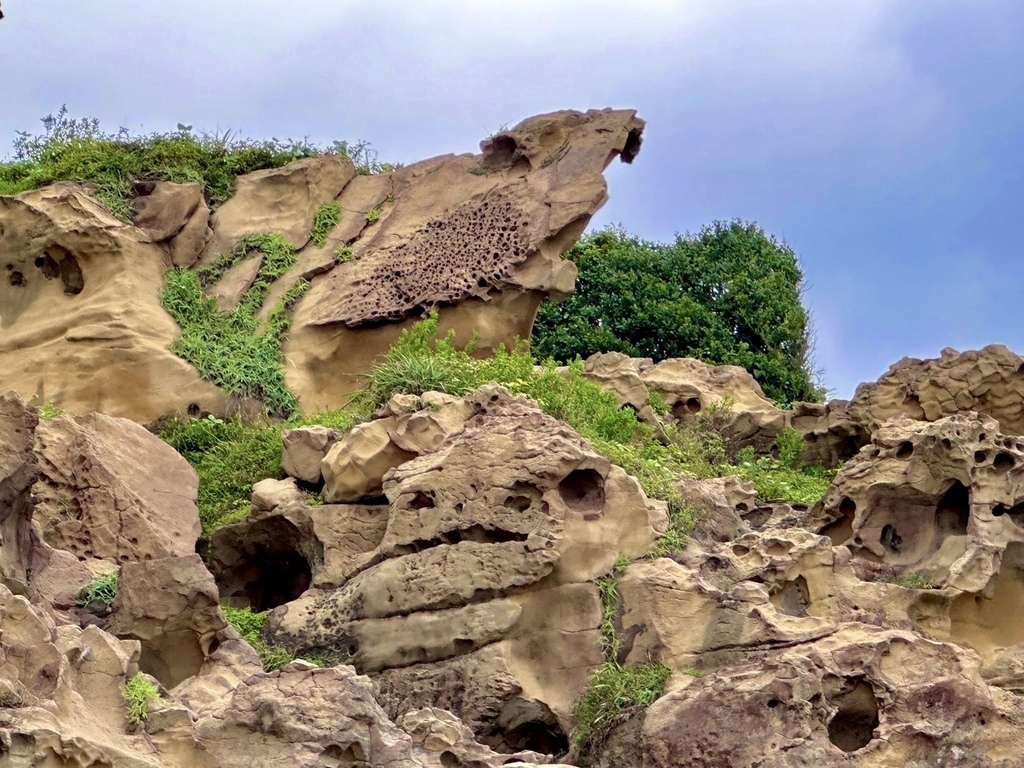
{"type": "Point", "coordinates": [447, 260]}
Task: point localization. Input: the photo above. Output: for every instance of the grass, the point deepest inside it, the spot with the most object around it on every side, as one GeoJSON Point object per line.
{"type": "Point", "coordinates": [50, 411]}
{"type": "Point", "coordinates": [102, 590]}
{"type": "Point", "coordinates": [76, 149]}
{"type": "Point", "coordinates": [137, 694]}
{"type": "Point", "coordinates": [910, 581]}
{"type": "Point", "coordinates": [249, 626]}
{"type": "Point", "coordinates": [230, 455]}
{"type": "Point", "coordinates": [343, 254]}
{"type": "Point", "coordinates": [237, 350]}
{"type": "Point", "coordinates": [9, 698]}
{"type": "Point", "coordinates": [326, 219]}
{"type": "Point", "coordinates": [373, 215]}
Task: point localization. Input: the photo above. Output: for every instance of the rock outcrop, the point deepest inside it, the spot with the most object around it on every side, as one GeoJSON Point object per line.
{"type": "Point", "coordinates": [478, 237]}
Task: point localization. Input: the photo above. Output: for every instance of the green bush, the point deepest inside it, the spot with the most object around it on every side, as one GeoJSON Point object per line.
{"type": "Point", "coordinates": [728, 295]}
{"type": "Point", "coordinates": [250, 626]}
{"type": "Point", "coordinates": [230, 455]}
{"type": "Point", "coordinates": [137, 694]}
{"type": "Point", "coordinates": [102, 590]}
{"type": "Point", "coordinates": [238, 351]}
{"type": "Point", "coordinates": [326, 219]}
{"type": "Point", "coordinates": [76, 149]}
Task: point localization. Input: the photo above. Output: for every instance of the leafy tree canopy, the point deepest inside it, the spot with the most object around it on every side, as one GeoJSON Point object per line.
{"type": "Point", "coordinates": [729, 295]}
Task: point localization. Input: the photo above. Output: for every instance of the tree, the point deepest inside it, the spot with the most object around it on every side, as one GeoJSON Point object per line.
{"type": "Point", "coordinates": [729, 295]}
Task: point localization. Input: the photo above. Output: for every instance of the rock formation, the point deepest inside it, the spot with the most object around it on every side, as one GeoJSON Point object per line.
{"type": "Point", "coordinates": [478, 237]}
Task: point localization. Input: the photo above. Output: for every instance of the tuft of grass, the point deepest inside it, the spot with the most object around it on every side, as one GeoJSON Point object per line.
{"type": "Point", "coordinates": [103, 590]}
{"type": "Point", "coordinates": [9, 698]}
{"type": "Point", "coordinates": [230, 455]}
{"type": "Point", "coordinates": [250, 627]}
{"type": "Point", "coordinates": [343, 254]}
{"type": "Point", "coordinates": [614, 693]}
{"type": "Point", "coordinates": [50, 411]}
{"type": "Point", "coordinates": [910, 581]}
{"type": "Point", "coordinates": [137, 694]}
{"type": "Point", "coordinates": [76, 149]}
{"type": "Point", "coordinates": [608, 590]}
{"type": "Point", "coordinates": [373, 216]}
{"type": "Point", "coordinates": [326, 219]}
{"type": "Point", "coordinates": [236, 350]}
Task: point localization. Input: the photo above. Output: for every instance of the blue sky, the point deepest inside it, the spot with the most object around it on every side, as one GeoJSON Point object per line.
{"type": "Point", "coordinates": [881, 140]}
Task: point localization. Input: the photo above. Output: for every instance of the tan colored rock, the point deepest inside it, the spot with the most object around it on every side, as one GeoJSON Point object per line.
{"type": "Point", "coordinates": [111, 490]}
{"type": "Point", "coordinates": [719, 503]}
{"type": "Point", "coordinates": [270, 494]}
{"type": "Point", "coordinates": [280, 201]}
{"type": "Point", "coordinates": [354, 467]}
{"type": "Point", "coordinates": [228, 291]}
{"type": "Point", "coordinates": [505, 518]}
{"type": "Point", "coordinates": [172, 607]}
{"type": "Point", "coordinates": [188, 245]}
{"type": "Point", "coordinates": [80, 318]}
{"type": "Point", "coordinates": [304, 449]}
{"type": "Point", "coordinates": [164, 208]}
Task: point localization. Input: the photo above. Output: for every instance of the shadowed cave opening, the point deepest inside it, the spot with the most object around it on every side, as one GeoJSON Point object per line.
{"type": "Point", "coordinates": [528, 725]}
{"type": "Point", "coordinates": [853, 725]}
{"type": "Point", "coordinates": [262, 565]}
{"type": "Point", "coordinates": [582, 490]}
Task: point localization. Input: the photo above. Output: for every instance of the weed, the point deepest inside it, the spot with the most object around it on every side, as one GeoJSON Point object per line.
{"type": "Point", "coordinates": [775, 481]}
{"type": "Point", "coordinates": [622, 562]}
{"type": "Point", "coordinates": [613, 694]}
{"type": "Point", "coordinates": [102, 590]}
{"type": "Point", "coordinates": [373, 216]}
{"type": "Point", "coordinates": [250, 627]}
{"type": "Point", "coordinates": [137, 694]}
{"type": "Point", "coordinates": [234, 349]}
{"type": "Point", "coordinates": [343, 254]}
{"type": "Point", "coordinates": [657, 403]}
{"type": "Point", "coordinates": [608, 591]}
{"type": "Point", "coordinates": [230, 455]}
{"type": "Point", "coordinates": [9, 698]}
{"type": "Point", "coordinates": [50, 411]}
{"type": "Point", "coordinates": [693, 672]}
{"type": "Point", "coordinates": [326, 219]}
{"type": "Point", "coordinates": [910, 581]}
{"type": "Point", "coordinates": [478, 170]}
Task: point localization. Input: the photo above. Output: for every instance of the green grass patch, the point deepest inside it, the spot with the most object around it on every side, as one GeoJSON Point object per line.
{"type": "Point", "coordinates": [613, 695]}
{"type": "Point", "coordinates": [326, 219]}
{"type": "Point", "coordinates": [102, 590]}
{"type": "Point", "coordinates": [137, 694]}
{"type": "Point", "coordinates": [343, 254]}
{"type": "Point", "coordinates": [910, 581]}
{"type": "Point", "coordinates": [250, 627]}
{"type": "Point", "coordinates": [373, 216]}
{"type": "Point", "coordinates": [76, 149]}
{"type": "Point", "coordinates": [230, 455]}
{"type": "Point", "coordinates": [238, 351]}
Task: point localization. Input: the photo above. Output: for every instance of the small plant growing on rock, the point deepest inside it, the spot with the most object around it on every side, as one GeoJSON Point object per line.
{"type": "Point", "coordinates": [910, 581]}
{"type": "Point", "coordinates": [343, 254]}
{"type": "Point", "coordinates": [9, 698]}
{"type": "Point", "coordinates": [137, 694]}
{"type": "Point", "coordinates": [373, 216]}
{"type": "Point", "coordinates": [101, 590]}
{"type": "Point", "coordinates": [249, 626]}
{"type": "Point", "coordinates": [326, 219]}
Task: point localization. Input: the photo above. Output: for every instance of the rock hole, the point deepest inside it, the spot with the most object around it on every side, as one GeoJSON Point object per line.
{"type": "Point", "coordinates": [954, 510]}
{"type": "Point", "coordinates": [890, 538]}
{"type": "Point", "coordinates": [528, 725]}
{"type": "Point", "coordinates": [853, 725]}
{"type": "Point", "coordinates": [582, 490]}
{"type": "Point", "coordinates": [172, 658]}
{"type": "Point", "coordinates": [262, 564]}
{"type": "Point", "coordinates": [48, 266]}
{"type": "Point", "coordinates": [980, 457]}
{"type": "Point", "coordinates": [841, 529]}
{"type": "Point", "coordinates": [1015, 513]}
{"type": "Point", "coordinates": [347, 757]}
{"type": "Point", "coordinates": [16, 278]}
{"type": "Point", "coordinates": [905, 450]}
{"type": "Point", "coordinates": [194, 410]}
{"type": "Point", "coordinates": [947, 443]}
{"type": "Point", "coordinates": [773, 703]}
{"type": "Point", "coordinates": [1003, 462]}
{"type": "Point", "coordinates": [633, 141]}
{"type": "Point", "coordinates": [793, 597]}
{"type": "Point", "coordinates": [421, 500]}
{"type": "Point", "coordinates": [688, 407]}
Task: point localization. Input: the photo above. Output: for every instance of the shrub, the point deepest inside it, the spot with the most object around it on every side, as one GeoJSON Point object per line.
{"type": "Point", "coordinates": [76, 149]}
{"type": "Point", "coordinates": [102, 590]}
{"type": "Point", "coordinates": [237, 350]}
{"type": "Point", "coordinates": [728, 295]}
{"type": "Point", "coordinates": [137, 694]}
{"type": "Point", "coordinates": [250, 627]}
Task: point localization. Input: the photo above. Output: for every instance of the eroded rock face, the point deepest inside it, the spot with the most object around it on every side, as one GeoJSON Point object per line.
{"type": "Point", "coordinates": [471, 587]}
{"type": "Point", "coordinates": [477, 236]}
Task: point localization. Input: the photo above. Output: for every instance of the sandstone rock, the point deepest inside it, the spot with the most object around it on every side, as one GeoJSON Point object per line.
{"type": "Point", "coordinates": [278, 201]}
{"type": "Point", "coordinates": [355, 466]}
{"type": "Point", "coordinates": [720, 503]}
{"type": "Point", "coordinates": [508, 516]}
{"type": "Point", "coordinates": [111, 490]}
{"type": "Point", "coordinates": [80, 318]}
{"type": "Point", "coordinates": [304, 449]}
{"type": "Point", "coordinates": [163, 209]}
{"type": "Point", "coordinates": [271, 494]}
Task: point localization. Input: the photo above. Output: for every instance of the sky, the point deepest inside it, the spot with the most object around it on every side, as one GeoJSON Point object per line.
{"type": "Point", "coordinates": [882, 140]}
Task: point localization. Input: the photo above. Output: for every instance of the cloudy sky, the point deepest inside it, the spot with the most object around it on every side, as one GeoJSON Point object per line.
{"type": "Point", "coordinates": [881, 139]}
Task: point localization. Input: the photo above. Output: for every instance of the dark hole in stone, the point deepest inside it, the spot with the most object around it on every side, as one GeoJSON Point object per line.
{"type": "Point", "coordinates": [476, 533]}
{"type": "Point", "coordinates": [421, 500]}
{"type": "Point", "coordinates": [946, 443]}
{"type": "Point", "coordinates": [757, 517]}
{"type": "Point", "coordinates": [905, 450]}
{"type": "Point", "coordinates": [688, 407]}
{"type": "Point", "coordinates": [632, 146]}
{"type": "Point", "coordinates": [1016, 512]}
{"type": "Point", "coordinates": [462, 645]}
{"type": "Point", "coordinates": [773, 703]}
{"type": "Point", "coordinates": [518, 503]}
{"type": "Point", "coordinates": [841, 529]}
{"type": "Point", "coordinates": [1003, 462]}
{"type": "Point", "coordinates": [582, 490]}
{"type": "Point", "coordinates": [349, 756]}
{"type": "Point", "coordinates": [262, 564]}
{"type": "Point", "coordinates": [9, 267]}
{"type": "Point", "coordinates": [194, 410]}
{"type": "Point", "coordinates": [890, 538]}
{"type": "Point", "coordinates": [954, 510]}
{"type": "Point", "coordinates": [853, 725]}
{"type": "Point", "coordinates": [16, 278]}
{"type": "Point", "coordinates": [793, 597]}
{"type": "Point", "coordinates": [980, 457]}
